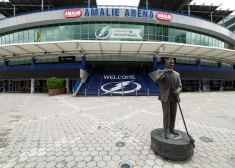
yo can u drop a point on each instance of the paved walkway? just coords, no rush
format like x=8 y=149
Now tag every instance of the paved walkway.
x=61 y=131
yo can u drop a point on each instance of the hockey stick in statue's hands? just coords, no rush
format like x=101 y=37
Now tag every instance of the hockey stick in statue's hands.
x=191 y=140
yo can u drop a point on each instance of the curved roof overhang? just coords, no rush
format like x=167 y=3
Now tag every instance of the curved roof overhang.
x=80 y=47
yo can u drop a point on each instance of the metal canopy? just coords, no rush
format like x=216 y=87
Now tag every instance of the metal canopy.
x=22 y=6
x=173 y=5
x=203 y=11
x=79 y=47
x=229 y=20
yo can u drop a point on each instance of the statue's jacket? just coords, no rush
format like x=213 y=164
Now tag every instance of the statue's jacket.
x=164 y=85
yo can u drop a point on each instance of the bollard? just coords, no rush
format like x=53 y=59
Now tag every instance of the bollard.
x=148 y=92
x=85 y=92
x=98 y=92
x=135 y=92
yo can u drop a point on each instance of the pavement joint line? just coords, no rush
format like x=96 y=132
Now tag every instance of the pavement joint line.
x=76 y=135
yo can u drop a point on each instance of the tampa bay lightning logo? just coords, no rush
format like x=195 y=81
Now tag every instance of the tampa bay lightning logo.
x=103 y=33
x=116 y=87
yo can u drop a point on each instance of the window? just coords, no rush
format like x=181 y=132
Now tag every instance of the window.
x=43 y=32
x=11 y=38
x=202 y=39
x=70 y=29
x=31 y=33
x=165 y=33
x=210 y=41
x=198 y=39
x=158 y=32
x=7 y=38
x=56 y=30
x=171 y=34
x=49 y=31
x=26 y=34
x=194 y=36
x=86 y=31
x=63 y=30
x=177 y=35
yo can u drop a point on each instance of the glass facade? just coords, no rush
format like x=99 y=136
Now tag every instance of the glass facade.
x=20 y=61
x=117 y=58
x=132 y=58
x=209 y=63
x=227 y=66
x=1 y=63
x=190 y=61
x=121 y=31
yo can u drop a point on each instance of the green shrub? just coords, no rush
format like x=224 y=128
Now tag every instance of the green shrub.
x=54 y=83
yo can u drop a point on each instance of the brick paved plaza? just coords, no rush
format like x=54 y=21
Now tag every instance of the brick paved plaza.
x=61 y=131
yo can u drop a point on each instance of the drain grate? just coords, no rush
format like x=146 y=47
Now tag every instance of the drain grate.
x=125 y=165
x=120 y=144
x=206 y=139
x=232 y=158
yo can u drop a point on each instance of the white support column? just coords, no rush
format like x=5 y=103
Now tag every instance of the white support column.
x=32 y=85
x=14 y=10
x=42 y=6
x=19 y=85
x=188 y=8
x=15 y=86
x=67 y=85
x=9 y=86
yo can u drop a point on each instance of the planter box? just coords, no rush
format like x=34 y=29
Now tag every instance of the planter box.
x=53 y=92
x=62 y=90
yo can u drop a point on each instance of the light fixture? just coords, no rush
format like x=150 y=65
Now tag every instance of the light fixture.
x=77 y=47
x=162 y=49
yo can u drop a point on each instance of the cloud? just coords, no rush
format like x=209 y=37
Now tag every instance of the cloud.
x=118 y=2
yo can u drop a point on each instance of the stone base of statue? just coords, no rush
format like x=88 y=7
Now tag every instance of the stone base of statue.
x=178 y=148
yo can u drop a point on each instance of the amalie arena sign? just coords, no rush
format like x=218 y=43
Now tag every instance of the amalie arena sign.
x=116 y=12
x=73 y=13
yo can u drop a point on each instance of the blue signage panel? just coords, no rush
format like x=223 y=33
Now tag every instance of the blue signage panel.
x=138 y=13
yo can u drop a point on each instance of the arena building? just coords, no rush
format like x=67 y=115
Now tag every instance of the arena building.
x=113 y=50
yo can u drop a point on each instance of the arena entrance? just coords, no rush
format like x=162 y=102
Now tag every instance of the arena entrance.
x=118 y=79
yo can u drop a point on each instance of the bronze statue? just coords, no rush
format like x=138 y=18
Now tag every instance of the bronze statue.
x=170 y=88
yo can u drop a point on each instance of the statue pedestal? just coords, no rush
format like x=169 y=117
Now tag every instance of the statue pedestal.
x=178 y=148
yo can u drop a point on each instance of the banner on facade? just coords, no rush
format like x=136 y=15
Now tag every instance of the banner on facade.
x=67 y=59
x=107 y=32
x=121 y=84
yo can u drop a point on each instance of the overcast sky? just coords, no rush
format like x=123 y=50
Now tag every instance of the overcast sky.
x=225 y=3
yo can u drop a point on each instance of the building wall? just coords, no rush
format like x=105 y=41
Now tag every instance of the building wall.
x=57 y=16
x=92 y=30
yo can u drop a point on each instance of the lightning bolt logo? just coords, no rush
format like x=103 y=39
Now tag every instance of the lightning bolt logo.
x=101 y=33
x=119 y=86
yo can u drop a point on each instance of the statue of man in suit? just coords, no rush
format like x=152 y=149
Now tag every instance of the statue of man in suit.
x=170 y=88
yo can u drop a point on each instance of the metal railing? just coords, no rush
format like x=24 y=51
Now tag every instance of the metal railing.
x=76 y=86
x=110 y=93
